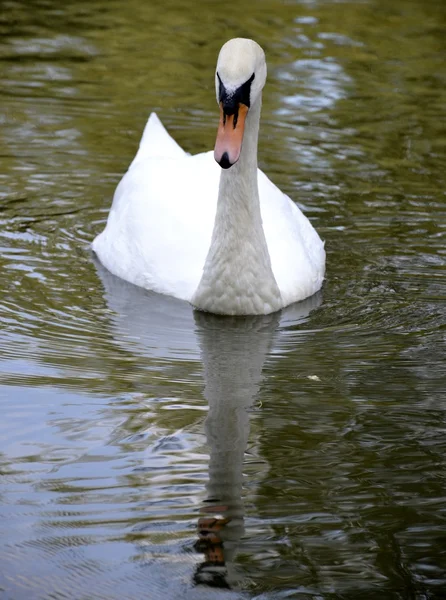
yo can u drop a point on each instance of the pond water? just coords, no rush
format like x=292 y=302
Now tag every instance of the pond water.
x=147 y=451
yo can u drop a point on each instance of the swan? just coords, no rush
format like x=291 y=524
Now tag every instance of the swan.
x=216 y=233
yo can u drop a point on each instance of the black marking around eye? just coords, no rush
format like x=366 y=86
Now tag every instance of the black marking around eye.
x=231 y=100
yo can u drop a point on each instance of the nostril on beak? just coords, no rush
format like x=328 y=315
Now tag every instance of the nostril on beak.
x=224 y=161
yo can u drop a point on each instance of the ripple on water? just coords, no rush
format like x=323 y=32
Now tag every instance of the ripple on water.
x=128 y=420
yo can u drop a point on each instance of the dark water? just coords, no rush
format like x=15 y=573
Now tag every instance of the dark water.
x=311 y=443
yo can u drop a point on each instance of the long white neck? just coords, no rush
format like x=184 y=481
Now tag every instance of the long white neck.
x=237 y=277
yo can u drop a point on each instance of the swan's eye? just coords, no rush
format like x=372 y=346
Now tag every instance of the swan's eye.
x=231 y=100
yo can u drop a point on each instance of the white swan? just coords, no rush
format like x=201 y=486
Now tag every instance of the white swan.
x=238 y=246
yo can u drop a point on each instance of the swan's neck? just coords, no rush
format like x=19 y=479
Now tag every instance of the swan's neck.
x=237 y=276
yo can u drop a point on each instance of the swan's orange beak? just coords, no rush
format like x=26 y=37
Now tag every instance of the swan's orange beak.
x=230 y=136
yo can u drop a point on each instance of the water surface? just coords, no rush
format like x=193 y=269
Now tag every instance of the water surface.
x=311 y=443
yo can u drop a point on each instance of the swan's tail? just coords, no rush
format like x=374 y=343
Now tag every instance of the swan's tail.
x=156 y=142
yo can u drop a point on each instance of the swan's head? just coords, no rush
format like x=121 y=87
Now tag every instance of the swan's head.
x=239 y=80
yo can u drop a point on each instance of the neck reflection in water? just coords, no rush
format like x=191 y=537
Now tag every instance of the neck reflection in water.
x=233 y=350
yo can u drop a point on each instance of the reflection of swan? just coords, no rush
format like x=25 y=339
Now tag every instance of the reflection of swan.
x=233 y=351
x=229 y=241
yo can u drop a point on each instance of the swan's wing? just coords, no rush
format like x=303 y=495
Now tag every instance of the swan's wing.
x=159 y=228
x=295 y=248
x=157 y=143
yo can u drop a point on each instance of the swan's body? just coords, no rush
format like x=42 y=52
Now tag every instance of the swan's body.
x=240 y=246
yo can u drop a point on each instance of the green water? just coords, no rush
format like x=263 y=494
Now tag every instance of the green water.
x=318 y=434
